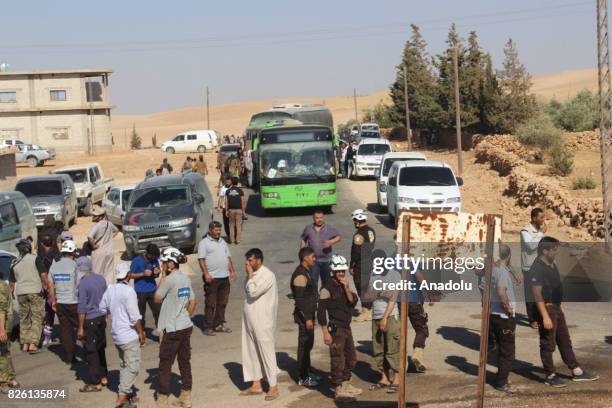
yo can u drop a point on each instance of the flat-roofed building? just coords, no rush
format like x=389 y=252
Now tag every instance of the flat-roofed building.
x=65 y=109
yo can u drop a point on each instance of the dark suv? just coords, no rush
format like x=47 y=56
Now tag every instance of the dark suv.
x=172 y=210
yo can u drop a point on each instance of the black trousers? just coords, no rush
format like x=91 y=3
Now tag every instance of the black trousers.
x=69 y=323
x=343 y=356
x=504 y=333
x=418 y=319
x=305 y=344
x=557 y=336
x=359 y=280
x=143 y=300
x=216 y=297
x=173 y=345
x=530 y=306
x=225 y=223
x=94 y=342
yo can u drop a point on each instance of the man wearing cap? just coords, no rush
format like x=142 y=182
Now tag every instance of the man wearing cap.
x=92 y=325
x=221 y=205
x=361 y=260
x=320 y=236
x=334 y=313
x=101 y=240
x=63 y=236
x=178 y=303
x=63 y=291
x=127 y=331
x=27 y=283
x=44 y=260
x=218 y=272
x=235 y=205
x=144 y=270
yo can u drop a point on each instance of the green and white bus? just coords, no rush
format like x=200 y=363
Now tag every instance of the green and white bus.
x=295 y=165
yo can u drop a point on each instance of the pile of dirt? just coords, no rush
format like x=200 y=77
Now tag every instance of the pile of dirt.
x=576 y=141
x=500 y=159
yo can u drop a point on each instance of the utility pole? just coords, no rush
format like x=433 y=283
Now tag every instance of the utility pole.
x=458 y=110
x=355 y=102
x=207 y=109
x=605 y=116
x=407 y=107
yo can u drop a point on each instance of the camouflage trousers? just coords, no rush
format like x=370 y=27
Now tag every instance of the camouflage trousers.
x=7 y=372
x=31 y=318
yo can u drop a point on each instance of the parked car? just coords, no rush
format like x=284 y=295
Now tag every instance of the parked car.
x=52 y=194
x=17 y=220
x=368 y=156
x=116 y=201
x=33 y=155
x=172 y=210
x=192 y=141
x=6 y=260
x=382 y=173
x=10 y=142
x=90 y=184
x=422 y=185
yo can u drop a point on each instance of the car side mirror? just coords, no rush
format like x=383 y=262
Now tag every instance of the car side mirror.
x=68 y=191
x=198 y=198
x=377 y=172
x=459 y=181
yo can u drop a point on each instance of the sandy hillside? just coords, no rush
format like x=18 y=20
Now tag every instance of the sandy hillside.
x=233 y=118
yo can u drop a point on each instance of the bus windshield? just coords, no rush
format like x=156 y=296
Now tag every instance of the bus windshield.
x=300 y=159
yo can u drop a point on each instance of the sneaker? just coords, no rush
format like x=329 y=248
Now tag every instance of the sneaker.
x=507 y=388
x=348 y=388
x=308 y=382
x=585 y=376
x=47 y=341
x=315 y=377
x=555 y=381
x=341 y=395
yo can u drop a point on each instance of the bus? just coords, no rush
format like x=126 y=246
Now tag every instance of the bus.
x=296 y=165
x=308 y=114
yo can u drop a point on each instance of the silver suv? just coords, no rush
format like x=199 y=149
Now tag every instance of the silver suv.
x=53 y=195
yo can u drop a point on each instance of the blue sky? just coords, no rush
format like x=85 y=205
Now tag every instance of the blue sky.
x=164 y=53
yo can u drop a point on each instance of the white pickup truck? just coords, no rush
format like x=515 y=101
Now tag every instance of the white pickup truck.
x=90 y=184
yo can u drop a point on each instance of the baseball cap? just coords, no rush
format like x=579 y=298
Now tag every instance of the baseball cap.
x=84 y=264
x=66 y=235
x=122 y=270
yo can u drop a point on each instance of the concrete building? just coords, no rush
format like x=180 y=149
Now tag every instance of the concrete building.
x=65 y=109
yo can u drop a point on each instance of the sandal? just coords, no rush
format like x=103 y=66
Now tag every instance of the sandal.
x=222 y=329
x=34 y=351
x=271 y=397
x=249 y=392
x=378 y=386
x=393 y=388
x=90 y=388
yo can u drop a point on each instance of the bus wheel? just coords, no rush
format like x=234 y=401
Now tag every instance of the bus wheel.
x=328 y=209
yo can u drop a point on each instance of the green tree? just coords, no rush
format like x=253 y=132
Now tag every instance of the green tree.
x=490 y=94
x=135 y=141
x=425 y=110
x=580 y=113
x=515 y=104
x=381 y=114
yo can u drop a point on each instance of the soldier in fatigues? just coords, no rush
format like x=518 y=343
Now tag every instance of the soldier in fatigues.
x=337 y=301
x=7 y=372
x=361 y=260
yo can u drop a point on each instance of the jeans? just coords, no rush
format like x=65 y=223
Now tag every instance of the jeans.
x=341 y=167
x=129 y=357
x=216 y=296
x=305 y=344
x=349 y=168
x=143 y=299
x=173 y=345
x=321 y=269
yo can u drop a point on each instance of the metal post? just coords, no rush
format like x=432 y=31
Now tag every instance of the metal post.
x=407 y=107
x=401 y=398
x=355 y=102
x=207 y=109
x=92 y=140
x=458 y=111
x=605 y=116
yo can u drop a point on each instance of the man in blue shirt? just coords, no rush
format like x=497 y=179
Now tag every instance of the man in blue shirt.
x=144 y=269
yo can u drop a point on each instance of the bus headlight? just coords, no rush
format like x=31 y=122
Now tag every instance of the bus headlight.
x=270 y=195
x=327 y=192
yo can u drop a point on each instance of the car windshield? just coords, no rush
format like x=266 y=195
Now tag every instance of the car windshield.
x=40 y=188
x=300 y=159
x=125 y=198
x=426 y=176
x=369 y=127
x=227 y=150
x=370 y=134
x=389 y=162
x=157 y=197
x=77 y=176
x=373 y=149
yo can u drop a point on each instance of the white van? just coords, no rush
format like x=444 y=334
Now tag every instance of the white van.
x=368 y=157
x=422 y=185
x=382 y=173
x=192 y=141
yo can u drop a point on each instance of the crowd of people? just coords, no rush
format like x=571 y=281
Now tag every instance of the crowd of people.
x=74 y=284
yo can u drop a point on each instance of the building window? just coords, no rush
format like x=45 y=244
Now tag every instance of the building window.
x=9 y=133
x=60 y=133
x=58 y=95
x=8 y=96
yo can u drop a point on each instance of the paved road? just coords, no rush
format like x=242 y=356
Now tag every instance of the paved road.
x=451 y=354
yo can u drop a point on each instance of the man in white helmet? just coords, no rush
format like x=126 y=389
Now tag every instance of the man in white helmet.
x=175 y=293
x=334 y=312
x=361 y=261
x=63 y=284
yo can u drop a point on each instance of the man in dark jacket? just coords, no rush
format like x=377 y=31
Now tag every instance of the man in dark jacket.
x=305 y=295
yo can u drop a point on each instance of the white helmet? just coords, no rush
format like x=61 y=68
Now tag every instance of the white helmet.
x=282 y=163
x=338 y=263
x=170 y=254
x=359 y=215
x=68 y=246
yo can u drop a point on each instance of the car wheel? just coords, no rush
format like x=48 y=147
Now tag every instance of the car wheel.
x=41 y=163
x=170 y=150
x=32 y=161
x=201 y=149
